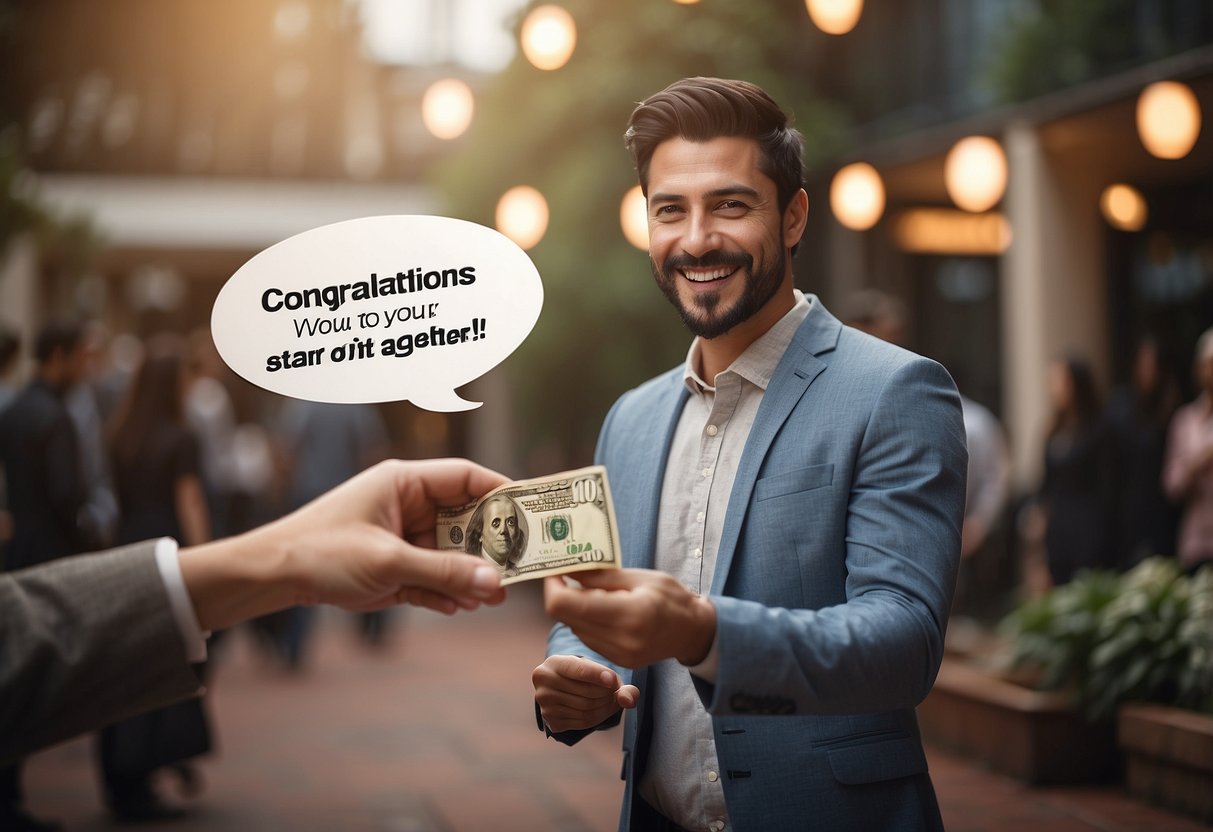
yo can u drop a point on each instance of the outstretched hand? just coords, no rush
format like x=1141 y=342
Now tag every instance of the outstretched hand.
x=365 y=545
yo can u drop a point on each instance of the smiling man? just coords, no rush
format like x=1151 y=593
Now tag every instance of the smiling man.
x=789 y=503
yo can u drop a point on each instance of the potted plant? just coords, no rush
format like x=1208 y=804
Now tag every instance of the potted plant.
x=1014 y=705
x=1136 y=650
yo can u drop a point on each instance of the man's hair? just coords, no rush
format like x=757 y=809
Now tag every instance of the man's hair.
x=56 y=336
x=701 y=109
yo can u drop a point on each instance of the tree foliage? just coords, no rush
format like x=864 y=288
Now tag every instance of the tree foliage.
x=1054 y=44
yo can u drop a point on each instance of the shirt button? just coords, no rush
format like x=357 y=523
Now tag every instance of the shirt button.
x=699 y=517
x=699 y=553
x=707 y=472
x=713 y=777
x=713 y=430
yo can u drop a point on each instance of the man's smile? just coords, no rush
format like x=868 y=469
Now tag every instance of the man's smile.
x=707 y=275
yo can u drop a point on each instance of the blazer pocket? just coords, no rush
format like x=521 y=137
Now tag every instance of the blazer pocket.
x=793 y=482
x=873 y=762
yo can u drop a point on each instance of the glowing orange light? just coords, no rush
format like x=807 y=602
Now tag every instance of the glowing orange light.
x=1168 y=119
x=975 y=173
x=447 y=107
x=1123 y=207
x=522 y=215
x=834 y=17
x=948 y=231
x=857 y=196
x=634 y=218
x=548 y=37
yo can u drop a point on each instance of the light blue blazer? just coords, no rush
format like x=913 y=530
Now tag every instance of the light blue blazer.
x=832 y=585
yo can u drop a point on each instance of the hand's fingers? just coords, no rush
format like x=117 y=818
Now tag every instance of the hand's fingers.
x=561 y=689
x=578 y=669
x=627 y=696
x=581 y=608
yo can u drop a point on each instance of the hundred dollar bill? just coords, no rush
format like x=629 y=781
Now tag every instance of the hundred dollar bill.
x=532 y=528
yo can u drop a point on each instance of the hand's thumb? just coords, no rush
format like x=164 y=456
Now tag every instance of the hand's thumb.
x=451 y=573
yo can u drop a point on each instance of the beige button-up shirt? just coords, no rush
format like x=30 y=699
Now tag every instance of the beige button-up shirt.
x=682 y=778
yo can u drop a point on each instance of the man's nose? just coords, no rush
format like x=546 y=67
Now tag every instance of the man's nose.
x=702 y=234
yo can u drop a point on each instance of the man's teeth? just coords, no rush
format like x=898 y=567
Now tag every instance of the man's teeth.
x=706 y=276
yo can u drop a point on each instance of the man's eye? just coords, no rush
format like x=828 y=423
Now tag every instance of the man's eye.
x=732 y=205
x=665 y=210
x=512 y=522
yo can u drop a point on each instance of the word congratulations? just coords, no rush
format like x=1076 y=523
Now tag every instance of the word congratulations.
x=335 y=296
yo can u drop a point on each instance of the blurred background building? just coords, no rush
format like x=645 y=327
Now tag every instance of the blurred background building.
x=150 y=148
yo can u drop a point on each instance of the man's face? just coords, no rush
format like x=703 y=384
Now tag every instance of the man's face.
x=499 y=529
x=717 y=239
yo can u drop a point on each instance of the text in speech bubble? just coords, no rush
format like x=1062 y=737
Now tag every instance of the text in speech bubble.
x=378 y=309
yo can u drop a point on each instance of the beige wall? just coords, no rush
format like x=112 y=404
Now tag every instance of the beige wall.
x=1053 y=285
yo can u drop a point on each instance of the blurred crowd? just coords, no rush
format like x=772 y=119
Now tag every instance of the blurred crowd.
x=1126 y=475
x=110 y=441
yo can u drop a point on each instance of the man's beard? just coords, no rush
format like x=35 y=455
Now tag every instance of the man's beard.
x=701 y=317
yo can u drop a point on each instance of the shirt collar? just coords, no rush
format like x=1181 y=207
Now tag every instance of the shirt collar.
x=757 y=364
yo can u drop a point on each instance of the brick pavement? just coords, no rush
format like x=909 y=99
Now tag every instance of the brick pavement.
x=434 y=733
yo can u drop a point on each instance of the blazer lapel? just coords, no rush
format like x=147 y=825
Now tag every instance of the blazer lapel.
x=792 y=377
x=648 y=454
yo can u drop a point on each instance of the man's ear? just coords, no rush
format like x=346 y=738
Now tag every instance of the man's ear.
x=795 y=218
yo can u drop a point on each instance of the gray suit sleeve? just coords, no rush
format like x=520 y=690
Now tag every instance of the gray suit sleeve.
x=85 y=641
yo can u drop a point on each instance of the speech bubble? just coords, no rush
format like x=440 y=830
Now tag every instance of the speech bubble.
x=377 y=309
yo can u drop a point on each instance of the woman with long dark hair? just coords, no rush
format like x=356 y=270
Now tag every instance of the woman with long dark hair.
x=156 y=473
x=1076 y=494
x=1138 y=416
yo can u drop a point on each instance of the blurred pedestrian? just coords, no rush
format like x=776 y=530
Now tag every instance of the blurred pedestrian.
x=877 y=313
x=45 y=489
x=323 y=444
x=10 y=351
x=1188 y=468
x=980 y=581
x=1075 y=498
x=1138 y=416
x=982 y=585
x=156 y=470
x=212 y=416
x=100 y=510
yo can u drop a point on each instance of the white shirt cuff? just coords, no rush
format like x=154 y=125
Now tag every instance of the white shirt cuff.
x=708 y=668
x=179 y=601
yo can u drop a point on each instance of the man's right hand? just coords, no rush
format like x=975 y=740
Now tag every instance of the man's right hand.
x=577 y=694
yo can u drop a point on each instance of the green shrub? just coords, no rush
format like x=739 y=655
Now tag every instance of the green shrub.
x=1144 y=636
